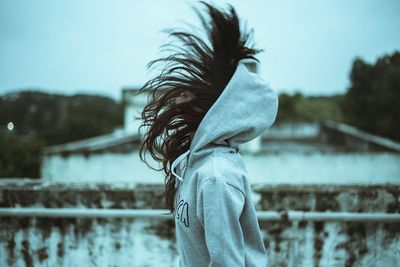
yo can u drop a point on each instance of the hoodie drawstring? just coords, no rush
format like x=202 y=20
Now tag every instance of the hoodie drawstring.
x=175 y=163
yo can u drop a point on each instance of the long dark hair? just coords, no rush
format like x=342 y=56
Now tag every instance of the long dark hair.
x=202 y=67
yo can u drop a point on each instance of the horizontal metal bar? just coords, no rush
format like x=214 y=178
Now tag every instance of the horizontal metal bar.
x=85 y=213
x=328 y=216
x=164 y=214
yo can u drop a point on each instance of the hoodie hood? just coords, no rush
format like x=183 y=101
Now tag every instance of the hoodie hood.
x=246 y=108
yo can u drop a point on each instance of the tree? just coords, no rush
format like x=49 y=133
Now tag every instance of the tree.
x=42 y=119
x=300 y=108
x=371 y=102
x=20 y=156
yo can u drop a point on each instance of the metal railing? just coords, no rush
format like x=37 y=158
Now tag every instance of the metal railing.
x=165 y=214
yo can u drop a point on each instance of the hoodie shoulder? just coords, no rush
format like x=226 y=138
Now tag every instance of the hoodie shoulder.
x=226 y=167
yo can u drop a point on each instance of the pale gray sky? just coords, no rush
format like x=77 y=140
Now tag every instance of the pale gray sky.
x=102 y=46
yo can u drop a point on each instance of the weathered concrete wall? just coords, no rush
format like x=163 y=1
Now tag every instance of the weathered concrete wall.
x=127 y=242
x=86 y=242
x=331 y=243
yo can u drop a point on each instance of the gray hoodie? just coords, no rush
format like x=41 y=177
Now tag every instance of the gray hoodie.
x=215 y=218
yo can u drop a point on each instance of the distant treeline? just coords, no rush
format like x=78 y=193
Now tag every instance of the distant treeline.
x=41 y=119
x=297 y=107
x=371 y=103
x=56 y=119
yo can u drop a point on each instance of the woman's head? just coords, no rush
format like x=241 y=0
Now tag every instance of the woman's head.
x=193 y=75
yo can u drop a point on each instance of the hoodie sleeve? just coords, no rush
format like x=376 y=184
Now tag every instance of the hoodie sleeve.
x=219 y=208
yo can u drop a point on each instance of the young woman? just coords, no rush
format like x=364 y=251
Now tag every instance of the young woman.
x=202 y=106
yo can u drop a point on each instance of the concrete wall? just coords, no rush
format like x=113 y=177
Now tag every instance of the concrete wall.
x=300 y=165
x=331 y=243
x=285 y=153
x=127 y=242
x=99 y=167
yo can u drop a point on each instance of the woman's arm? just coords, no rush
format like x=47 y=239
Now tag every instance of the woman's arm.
x=219 y=208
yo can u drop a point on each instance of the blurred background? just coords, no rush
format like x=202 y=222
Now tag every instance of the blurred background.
x=69 y=73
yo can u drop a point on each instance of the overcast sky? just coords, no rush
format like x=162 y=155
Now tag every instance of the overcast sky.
x=97 y=46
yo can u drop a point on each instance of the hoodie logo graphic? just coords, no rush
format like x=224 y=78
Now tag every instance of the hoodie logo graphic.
x=181 y=211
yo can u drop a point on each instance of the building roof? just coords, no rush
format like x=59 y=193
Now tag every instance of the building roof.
x=118 y=140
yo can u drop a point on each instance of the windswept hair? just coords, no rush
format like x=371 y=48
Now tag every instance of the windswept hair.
x=203 y=67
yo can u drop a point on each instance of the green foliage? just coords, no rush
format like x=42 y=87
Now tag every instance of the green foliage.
x=371 y=102
x=19 y=156
x=310 y=109
x=57 y=119
x=42 y=119
x=287 y=107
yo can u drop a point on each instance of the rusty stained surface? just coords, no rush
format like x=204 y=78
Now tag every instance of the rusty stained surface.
x=129 y=242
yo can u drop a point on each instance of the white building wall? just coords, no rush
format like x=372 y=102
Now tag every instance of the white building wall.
x=102 y=167
x=293 y=130
x=272 y=168
x=134 y=105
